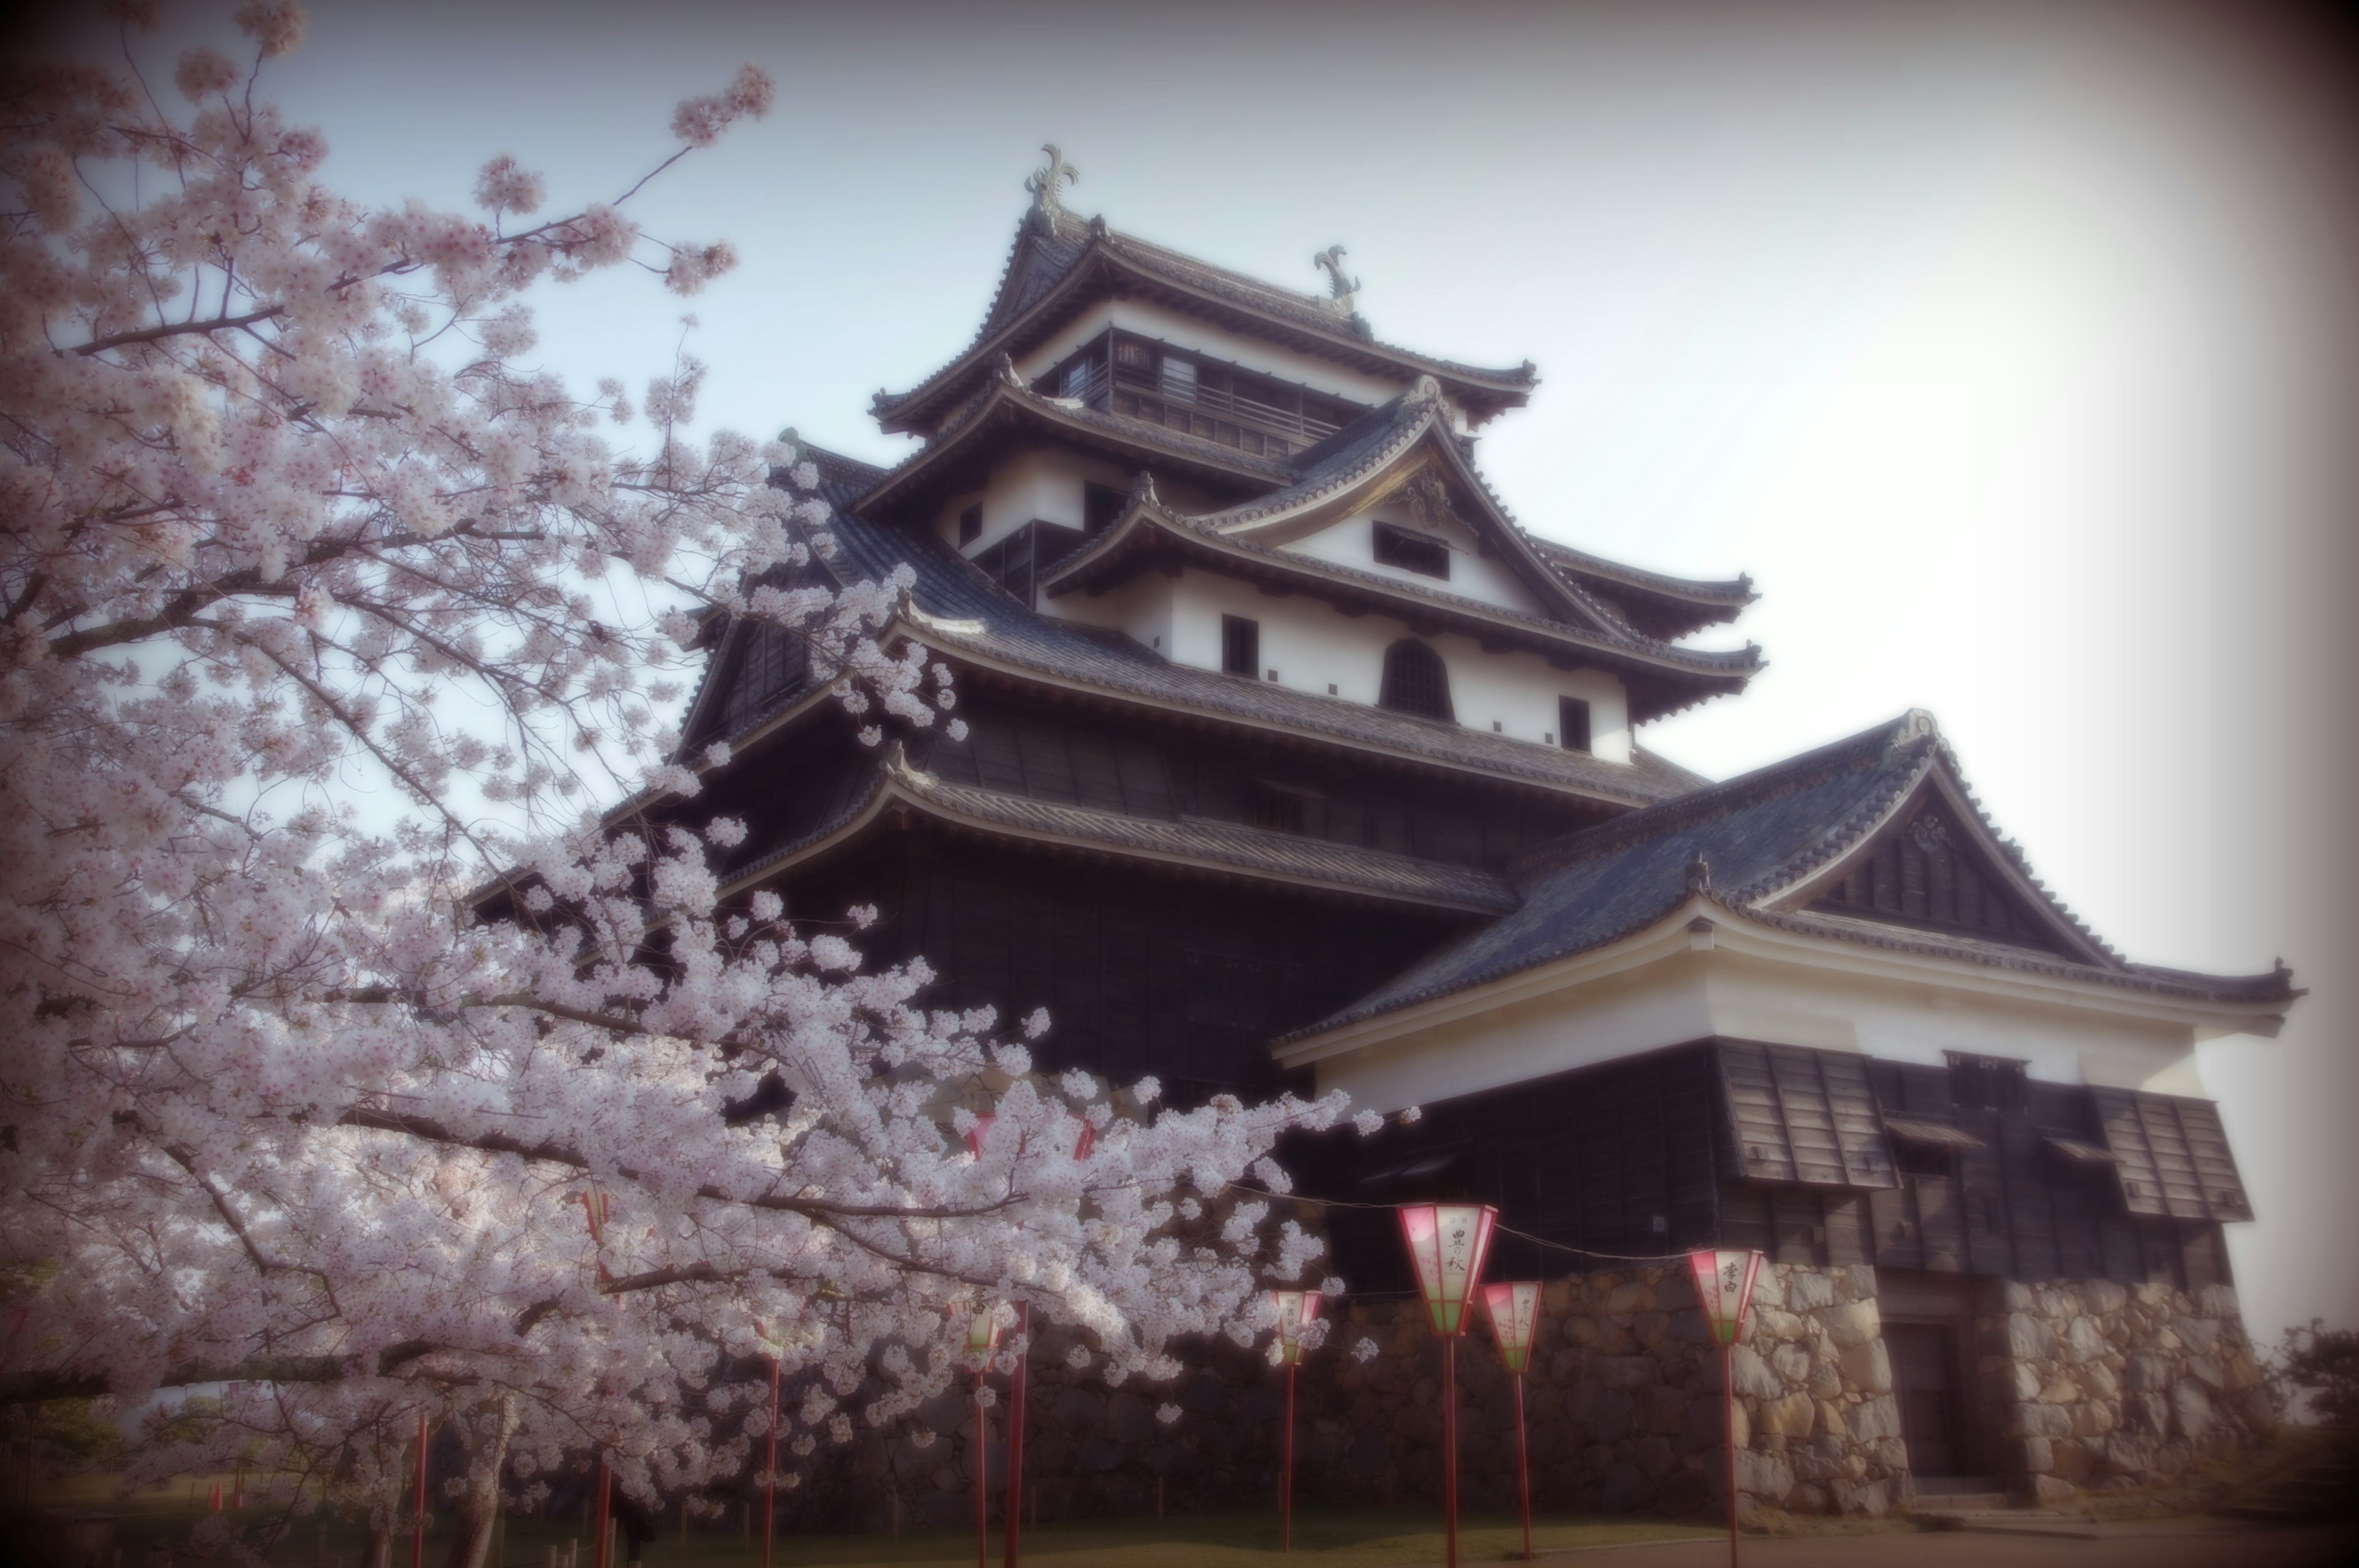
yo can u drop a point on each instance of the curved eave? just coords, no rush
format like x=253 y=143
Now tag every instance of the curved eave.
x=1674 y=606
x=1103 y=269
x=1004 y=404
x=1223 y=851
x=1700 y=923
x=1147 y=537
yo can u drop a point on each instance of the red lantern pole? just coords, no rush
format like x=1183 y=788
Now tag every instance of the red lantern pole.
x=1285 y=1471
x=982 y=1479
x=1296 y=1310
x=602 y=1552
x=417 y=1521
x=1011 y=1554
x=1728 y=1425
x=982 y=1339
x=1513 y=1309
x=1446 y=1244
x=1523 y=1470
x=1450 y=1452
x=1723 y=1287
x=769 y=1473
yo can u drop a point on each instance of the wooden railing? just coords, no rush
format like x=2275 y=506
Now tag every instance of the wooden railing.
x=1215 y=407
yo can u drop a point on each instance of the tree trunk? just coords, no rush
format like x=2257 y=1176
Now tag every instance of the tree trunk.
x=484 y=1431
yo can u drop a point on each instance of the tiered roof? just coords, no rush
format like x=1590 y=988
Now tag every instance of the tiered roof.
x=956 y=610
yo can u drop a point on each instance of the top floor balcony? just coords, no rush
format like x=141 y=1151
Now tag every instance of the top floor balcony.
x=1213 y=400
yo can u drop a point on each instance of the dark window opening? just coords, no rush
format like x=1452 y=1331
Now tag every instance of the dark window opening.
x=1101 y=505
x=1572 y=723
x=1986 y=1082
x=1275 y=808
x=1411 y=552
x=1914 y=1158
x=1416 y=681
x=1240 y=645
x=970 y=524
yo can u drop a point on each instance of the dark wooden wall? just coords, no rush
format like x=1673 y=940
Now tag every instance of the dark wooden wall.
x=1142 y=970
x=1640 y=1156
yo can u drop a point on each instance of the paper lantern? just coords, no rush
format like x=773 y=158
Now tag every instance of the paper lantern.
x=1514 y=1310
x=1297 y=1311
x=1724 y=1283
x=1446 y=1242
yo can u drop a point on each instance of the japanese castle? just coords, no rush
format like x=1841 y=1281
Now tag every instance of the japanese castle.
x=1293 y=758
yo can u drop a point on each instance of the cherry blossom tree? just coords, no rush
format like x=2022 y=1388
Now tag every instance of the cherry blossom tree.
x=517 y=1125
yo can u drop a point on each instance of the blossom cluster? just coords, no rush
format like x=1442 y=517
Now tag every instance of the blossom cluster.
x=523 y=1128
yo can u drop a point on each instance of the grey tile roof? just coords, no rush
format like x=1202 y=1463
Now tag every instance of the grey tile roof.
x=1758 y=836
x=1196 y=841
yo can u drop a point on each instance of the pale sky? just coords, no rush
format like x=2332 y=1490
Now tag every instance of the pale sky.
x=2010 y=351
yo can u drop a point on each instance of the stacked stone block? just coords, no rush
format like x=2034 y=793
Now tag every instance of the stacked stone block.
x=2096 y=1385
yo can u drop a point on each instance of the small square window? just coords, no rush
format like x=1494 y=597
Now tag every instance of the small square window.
x=1240 y=645
x=970 y=524
x=1273 y=674
x=1572 y=723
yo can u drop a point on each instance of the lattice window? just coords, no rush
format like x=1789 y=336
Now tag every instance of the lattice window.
x=1416 y=681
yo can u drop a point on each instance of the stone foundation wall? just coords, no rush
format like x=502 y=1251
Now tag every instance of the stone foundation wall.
x=2082 y=1384
x=2091 y=1384
x=1625 y=1401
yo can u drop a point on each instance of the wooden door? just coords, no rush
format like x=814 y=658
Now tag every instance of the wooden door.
x=1925 y=1377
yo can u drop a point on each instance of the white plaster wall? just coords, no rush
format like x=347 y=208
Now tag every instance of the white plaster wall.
x=1690 y=995
x=1149 y=320
x=1045 y=483
x=1141 y=609
x=1313 y=647
x=1473 y=575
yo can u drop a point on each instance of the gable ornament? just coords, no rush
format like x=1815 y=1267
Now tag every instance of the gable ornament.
x=1044 y=185
x=1428 y=499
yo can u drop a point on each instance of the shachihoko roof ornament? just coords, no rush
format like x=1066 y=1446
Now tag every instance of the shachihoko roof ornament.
x=1043 y=183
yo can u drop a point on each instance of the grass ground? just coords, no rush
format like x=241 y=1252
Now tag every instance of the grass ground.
x=1323 y=1538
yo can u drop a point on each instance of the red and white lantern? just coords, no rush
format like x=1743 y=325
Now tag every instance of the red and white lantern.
x=1724 y=1283
x=1297 y=1311
x=1513 y=1309
x=1447 y=1243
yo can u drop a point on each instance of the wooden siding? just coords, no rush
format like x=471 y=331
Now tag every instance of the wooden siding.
x=1804 y=1116
x=2173 y=1156
x=1590 y=1158
x=1923 y=871
x=1142 y=971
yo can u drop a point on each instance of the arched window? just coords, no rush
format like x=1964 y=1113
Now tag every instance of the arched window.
x=1416 y=681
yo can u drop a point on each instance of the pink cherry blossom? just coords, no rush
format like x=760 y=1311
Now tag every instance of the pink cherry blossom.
x=390 y=1115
